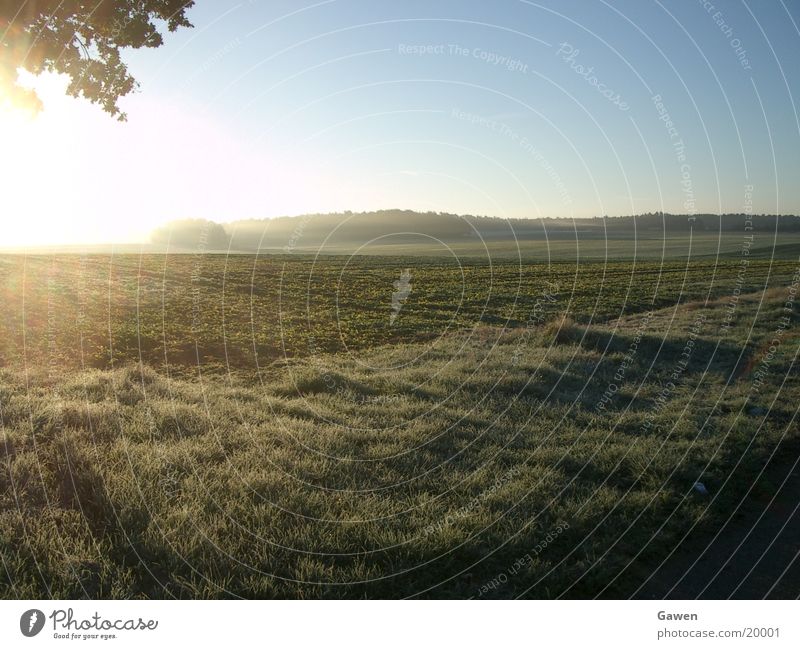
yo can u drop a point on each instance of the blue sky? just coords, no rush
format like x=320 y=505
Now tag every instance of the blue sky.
x=507 y=108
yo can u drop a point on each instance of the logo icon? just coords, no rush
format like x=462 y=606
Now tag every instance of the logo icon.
x=402 y=289
x=31 y=622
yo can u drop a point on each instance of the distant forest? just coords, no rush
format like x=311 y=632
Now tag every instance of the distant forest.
x=406 y=226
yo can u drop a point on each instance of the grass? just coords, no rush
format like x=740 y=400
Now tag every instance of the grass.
x=485 y=459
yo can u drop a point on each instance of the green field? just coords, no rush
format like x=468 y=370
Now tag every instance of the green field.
x=244 y=312
x=276 y=426
x=565 y=246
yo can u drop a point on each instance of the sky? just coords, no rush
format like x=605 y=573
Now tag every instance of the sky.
x=509 y=108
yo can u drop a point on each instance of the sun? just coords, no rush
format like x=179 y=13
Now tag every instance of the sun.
x=37 y=169
x=27 y=203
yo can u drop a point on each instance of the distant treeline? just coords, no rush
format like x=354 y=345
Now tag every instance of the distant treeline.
x=406 y=226
x=702 y=222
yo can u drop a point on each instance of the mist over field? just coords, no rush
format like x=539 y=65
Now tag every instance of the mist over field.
x=436 y=233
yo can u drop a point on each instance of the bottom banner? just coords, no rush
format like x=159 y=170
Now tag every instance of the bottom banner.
x=398 y=624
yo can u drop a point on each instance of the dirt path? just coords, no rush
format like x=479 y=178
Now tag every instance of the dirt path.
x=756 y=555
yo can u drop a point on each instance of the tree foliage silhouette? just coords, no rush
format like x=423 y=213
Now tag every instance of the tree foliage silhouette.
x=83 y=39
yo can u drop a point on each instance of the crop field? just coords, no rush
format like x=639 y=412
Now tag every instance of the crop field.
x=245 y=312
x=382 y=426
